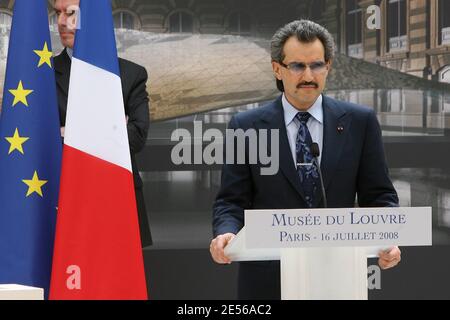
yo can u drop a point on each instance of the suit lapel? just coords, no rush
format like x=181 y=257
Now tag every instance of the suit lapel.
x=333 y=139
x=273 y=118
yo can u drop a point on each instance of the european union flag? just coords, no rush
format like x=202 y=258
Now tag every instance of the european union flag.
x=30 y=151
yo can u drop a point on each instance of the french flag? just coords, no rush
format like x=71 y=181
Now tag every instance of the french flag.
x=97 y=252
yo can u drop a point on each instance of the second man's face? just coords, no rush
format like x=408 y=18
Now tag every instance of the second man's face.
x=66 y=11
x=303 y=71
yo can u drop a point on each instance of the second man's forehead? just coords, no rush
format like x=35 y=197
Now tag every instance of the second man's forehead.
x=63 y=4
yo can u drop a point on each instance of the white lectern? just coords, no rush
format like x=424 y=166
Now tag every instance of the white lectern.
x=332 y=264
x=312 y=273
x=324 y=273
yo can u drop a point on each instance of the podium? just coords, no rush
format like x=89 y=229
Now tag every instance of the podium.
x=332 y=264
x=324 y=273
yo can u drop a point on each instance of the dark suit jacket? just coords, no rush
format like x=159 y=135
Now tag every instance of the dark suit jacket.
x=353 y=164
x=134 y=79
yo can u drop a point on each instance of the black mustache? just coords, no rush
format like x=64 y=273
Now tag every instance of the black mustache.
x=308 y=84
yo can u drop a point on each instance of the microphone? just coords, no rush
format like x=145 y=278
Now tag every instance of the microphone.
x=315 y=150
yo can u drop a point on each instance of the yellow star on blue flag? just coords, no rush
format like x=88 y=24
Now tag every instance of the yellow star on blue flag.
x=35 y=185
x=16 y=142
x=44 y=55
x=20 y=94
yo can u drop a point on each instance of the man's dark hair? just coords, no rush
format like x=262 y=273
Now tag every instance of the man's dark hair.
x=306 y=31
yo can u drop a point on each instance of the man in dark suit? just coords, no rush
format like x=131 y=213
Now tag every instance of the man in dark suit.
x=352 y=159
x=135 y=97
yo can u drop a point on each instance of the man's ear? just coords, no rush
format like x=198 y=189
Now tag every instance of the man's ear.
x=276 y=70
x=330 y=65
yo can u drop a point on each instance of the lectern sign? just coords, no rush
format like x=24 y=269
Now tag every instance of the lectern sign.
x=338 y=227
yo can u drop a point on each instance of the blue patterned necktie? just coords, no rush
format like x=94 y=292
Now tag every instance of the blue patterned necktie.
x=309 y=177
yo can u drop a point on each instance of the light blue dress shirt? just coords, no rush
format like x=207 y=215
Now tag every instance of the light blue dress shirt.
x=315 y=124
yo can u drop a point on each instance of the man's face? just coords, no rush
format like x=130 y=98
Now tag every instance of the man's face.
x=66 y=11
x=303 y=72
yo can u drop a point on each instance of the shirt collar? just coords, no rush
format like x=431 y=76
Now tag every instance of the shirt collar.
x=290 y=111
x=69 y=52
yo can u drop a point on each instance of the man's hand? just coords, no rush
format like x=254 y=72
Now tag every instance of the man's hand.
x=390 y=258
x=217 y=246
x=63 y=131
